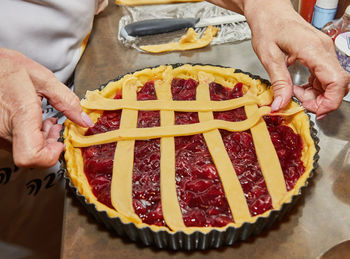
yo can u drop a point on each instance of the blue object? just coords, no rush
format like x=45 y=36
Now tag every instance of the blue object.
x=322 y=16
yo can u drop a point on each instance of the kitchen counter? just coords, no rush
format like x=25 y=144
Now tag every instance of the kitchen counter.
x=320 y=219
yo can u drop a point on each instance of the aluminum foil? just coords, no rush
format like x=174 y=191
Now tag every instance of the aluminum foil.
x=197 y=240
x=227 y=33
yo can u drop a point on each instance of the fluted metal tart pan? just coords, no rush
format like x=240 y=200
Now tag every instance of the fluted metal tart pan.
x=196 y=240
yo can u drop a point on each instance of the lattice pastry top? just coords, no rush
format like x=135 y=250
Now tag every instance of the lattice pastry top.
x=188 y=148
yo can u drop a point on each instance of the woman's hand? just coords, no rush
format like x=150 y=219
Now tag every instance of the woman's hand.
x=23 y=83
x=280 y=36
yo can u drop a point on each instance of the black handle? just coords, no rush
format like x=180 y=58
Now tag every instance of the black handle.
x=156 y=26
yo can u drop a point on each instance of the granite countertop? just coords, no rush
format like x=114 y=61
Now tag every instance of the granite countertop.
x=321 y=217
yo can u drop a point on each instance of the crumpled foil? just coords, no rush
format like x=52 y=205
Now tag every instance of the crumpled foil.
x=227 y=33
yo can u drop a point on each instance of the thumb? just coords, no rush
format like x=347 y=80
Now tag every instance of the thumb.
x=282 y=85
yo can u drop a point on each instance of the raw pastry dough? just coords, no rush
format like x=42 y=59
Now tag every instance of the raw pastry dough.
x=256 y=94
x=189 y=41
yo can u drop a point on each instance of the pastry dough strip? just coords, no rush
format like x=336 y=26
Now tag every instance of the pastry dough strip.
x=170 y=205
x=229 y=180
x=121 y=186
x=95 y=101
x=268 y=159
x=166 y=131
x=298 y=123
x=189 y=41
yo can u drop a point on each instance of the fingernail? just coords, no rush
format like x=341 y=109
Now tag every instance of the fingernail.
x=275 y=106
x=321 y=117
x=87 y=120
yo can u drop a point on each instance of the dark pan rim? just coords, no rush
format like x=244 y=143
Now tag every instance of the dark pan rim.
x=197 y=240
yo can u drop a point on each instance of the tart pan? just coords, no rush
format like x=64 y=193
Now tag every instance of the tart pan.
x=196 y=240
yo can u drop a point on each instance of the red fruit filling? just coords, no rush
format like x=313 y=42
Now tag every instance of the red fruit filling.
x=289 y=147
x=98 y=160
x=146 y=174
x=201 y=195
x=241 y=150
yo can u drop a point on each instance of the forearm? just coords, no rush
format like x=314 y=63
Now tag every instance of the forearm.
x=257 y=11
x=233 y=5
x=251 y=7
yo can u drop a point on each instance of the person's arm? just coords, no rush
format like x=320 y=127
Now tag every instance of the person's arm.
x=23 y=83
x=280 y=36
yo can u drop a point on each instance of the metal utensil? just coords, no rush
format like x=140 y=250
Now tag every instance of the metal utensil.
x=157 y=26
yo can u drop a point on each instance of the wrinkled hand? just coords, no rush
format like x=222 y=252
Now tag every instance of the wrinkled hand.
x=280 y=36
x=23 y=83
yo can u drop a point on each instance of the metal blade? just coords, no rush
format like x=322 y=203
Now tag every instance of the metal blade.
x=236 y=18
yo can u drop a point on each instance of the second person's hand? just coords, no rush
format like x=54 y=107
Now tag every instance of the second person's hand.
x=280 y=37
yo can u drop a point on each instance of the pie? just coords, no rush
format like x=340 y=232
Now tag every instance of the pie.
x=190 y=148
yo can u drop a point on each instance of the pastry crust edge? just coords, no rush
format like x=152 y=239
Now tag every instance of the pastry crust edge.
x=299 y=123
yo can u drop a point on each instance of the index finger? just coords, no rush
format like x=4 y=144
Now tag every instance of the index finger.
x=64 y=100
x=59 y=95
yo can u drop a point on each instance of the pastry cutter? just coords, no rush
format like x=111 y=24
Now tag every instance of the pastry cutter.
x=164 y=25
